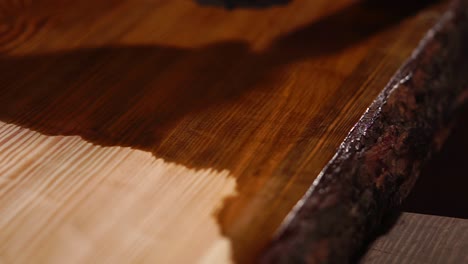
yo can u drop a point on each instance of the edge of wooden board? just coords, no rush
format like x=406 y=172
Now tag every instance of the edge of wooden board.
x=378 y=163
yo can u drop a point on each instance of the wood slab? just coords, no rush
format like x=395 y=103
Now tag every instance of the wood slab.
x=136 y=131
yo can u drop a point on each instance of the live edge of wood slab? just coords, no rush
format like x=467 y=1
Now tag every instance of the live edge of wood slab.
x=381 y=158
x=136 y=131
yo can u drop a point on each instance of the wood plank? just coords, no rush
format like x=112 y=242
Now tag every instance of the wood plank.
x=168 y=132
x=418 y=238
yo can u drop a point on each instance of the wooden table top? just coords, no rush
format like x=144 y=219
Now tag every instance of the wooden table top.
x=169 y=132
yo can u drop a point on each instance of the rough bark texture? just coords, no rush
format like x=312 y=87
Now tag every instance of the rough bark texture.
x=379 y=161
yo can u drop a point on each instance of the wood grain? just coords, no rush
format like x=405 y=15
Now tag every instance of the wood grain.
x=418 y=238
x=165 y=131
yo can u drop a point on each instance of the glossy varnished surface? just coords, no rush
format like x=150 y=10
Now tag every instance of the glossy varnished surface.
x=162 y=131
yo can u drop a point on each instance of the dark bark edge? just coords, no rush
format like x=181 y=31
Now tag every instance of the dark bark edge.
x=380 y=159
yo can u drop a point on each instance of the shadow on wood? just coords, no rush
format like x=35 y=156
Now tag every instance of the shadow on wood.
x=242 y=3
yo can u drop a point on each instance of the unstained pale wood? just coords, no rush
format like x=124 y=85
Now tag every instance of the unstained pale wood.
x=168 y=132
